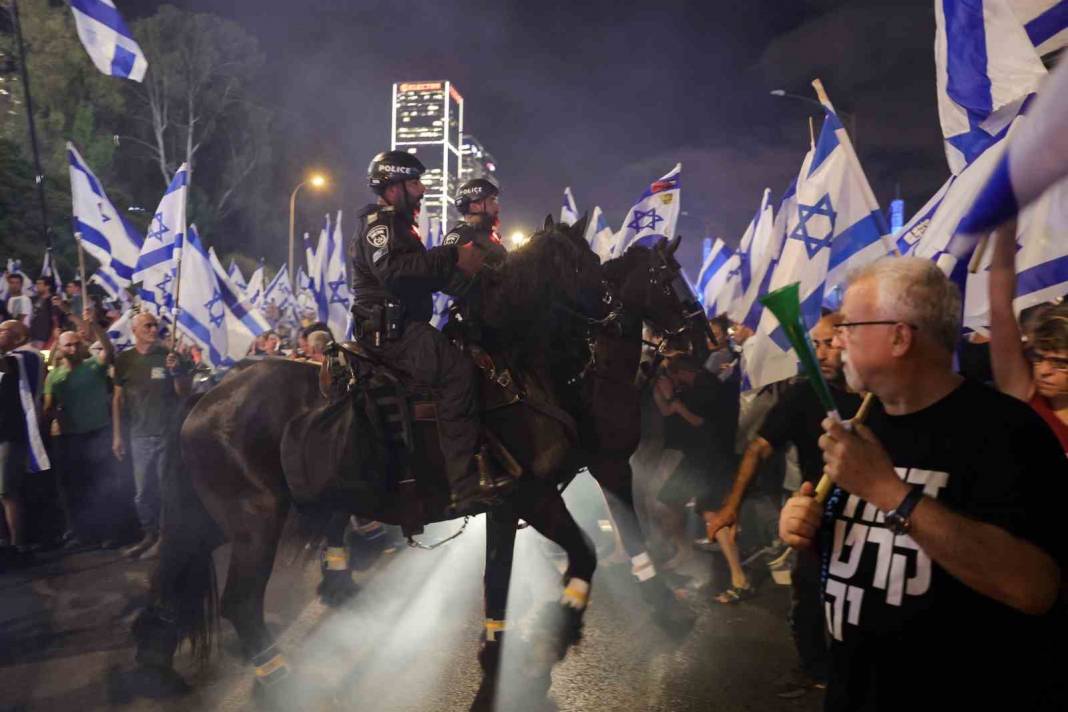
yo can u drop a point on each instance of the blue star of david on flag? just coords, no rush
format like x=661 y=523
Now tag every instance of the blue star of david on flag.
x=637 y=223
x=160 y=231
x=103 y=215
x=216 y=312
x=165 y=283
x=335 y=291
x=814 y=243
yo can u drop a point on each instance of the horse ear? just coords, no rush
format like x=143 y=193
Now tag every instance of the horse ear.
x=549 y=222
x=579 y=228
x=674 y=244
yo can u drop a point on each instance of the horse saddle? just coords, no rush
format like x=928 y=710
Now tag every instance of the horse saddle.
x=374 y=435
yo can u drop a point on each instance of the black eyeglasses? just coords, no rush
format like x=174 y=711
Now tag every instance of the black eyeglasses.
x=847 y=325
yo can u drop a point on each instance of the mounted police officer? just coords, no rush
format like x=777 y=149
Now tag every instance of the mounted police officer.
x=394 y=279
x=477 y=202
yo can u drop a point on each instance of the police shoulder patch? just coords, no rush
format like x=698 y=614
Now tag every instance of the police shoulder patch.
x=378 y=236
x=451 y=239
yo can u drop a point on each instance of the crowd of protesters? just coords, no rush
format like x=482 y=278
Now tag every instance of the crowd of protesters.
x=879 y=609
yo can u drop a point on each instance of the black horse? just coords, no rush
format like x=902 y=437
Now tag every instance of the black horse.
x=643 y=286
x=233 y=487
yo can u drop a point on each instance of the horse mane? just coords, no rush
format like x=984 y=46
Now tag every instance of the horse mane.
x=521 y=314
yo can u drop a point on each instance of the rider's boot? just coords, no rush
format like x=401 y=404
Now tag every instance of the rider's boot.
x=481 y=487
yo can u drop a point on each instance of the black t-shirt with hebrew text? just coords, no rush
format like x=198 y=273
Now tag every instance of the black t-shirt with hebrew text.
x=905 y=633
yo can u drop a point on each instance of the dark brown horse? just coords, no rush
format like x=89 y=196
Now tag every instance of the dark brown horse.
x=644 y=286
x=233 y=486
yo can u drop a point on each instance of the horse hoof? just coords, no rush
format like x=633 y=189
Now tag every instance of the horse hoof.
x=671 y=615
x=154 y=683
x=336 y=588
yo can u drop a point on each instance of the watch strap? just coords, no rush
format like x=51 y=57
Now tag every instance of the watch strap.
x=904 y=510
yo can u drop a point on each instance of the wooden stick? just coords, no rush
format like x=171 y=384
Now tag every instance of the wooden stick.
x=824 y=487
x=81 y=271
x=977 y=257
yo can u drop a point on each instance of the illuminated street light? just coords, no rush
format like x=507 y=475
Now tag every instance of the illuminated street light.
x=318 y=181
x=519 y=238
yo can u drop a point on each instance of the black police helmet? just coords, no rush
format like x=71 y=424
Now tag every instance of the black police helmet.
x=393 y=167
x=473 y=191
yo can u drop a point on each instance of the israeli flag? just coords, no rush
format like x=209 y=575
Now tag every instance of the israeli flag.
x=107 y=280
x=234 y=273
x=914 y=230
x=713 y=275
x=316 y=255
x=121 y=331
x=654 y=216
x=157 y=264
x=201 y=313
x=104 y=232
x=759 y=251
x=243 y=321
x=599 y=236
x=15 y=267
x=986 y=66
x=280 y=293
x=1036 y=158
x=50 y=271
x=306 y=306
x=254 y=289
x=108 y=40
x=569 y=214
x=1045 y=21
x=336 y=281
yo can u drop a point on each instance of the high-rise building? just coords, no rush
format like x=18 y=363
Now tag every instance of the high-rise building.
x=478 y=162
x=428 y=121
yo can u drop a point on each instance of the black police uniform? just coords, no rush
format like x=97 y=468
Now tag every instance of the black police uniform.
x=390 y=262
x=468 y=290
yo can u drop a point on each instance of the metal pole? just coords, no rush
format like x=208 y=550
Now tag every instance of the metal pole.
x=45 y=229
x=81 y=270
x=292 y=222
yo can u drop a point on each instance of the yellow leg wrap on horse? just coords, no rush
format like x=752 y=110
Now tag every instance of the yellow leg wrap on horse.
x=576 y=594
x=336 y=558
x=493 y=627
x=278 y=662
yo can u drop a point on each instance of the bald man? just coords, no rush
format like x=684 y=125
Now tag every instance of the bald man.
x=76 y=394
x=150 y=382
x=19 y=366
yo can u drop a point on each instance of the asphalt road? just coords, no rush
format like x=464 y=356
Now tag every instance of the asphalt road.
x=407 y=641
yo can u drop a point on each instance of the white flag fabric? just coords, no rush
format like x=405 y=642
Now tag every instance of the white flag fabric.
x=1045 y=21
x=50 y=271
x=599 y=236
x=1036 y=158
x=255 y=287
x=654 y=216
x=569 y=214
x=107 y=280
x=243 y=321
x=755 y=253
x=105 y=234
x=713 y=275
x=986 y=66
x=201 y=313
x=335 y=281
x=121 y=332
x=108 y=40
x=280 y=294
x=236 y=278
x=157 y=264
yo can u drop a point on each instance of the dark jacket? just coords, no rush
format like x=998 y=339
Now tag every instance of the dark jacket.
x=391 y=262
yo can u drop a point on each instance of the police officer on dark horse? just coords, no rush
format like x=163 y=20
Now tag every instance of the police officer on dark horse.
x=395 y=275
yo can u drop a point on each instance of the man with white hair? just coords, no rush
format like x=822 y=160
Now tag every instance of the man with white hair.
x=941 y=542
x=317 y=343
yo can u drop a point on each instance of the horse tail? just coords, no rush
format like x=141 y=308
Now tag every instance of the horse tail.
x=185 y=587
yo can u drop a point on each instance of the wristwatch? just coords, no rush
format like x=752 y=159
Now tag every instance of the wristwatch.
x=898 y=520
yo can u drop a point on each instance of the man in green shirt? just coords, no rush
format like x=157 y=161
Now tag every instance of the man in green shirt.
x=150 y=383
x=76 y=395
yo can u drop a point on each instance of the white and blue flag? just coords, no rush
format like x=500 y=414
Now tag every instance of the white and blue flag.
x=713 y=276
x=15 y=267
x=654 y=216
x=757 y=252
x=986 y=67
x=104 y=232
x=107 y=280
x=50 y=271
x=280 y=294
x=243 y=321
x=236 y=278
x=569 y=214
x=157 y=264
x=108 y=39
x=599 y=236
x=121 y=331
x=255 y=287
x=201 y=312
x=336 y=281
x=1045 y=21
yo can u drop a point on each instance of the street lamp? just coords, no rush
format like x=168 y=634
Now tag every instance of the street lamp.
x=809 y=100
x=316 y=180
x=519 y=238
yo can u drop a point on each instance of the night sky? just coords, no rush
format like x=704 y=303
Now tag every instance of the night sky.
x=602 y=98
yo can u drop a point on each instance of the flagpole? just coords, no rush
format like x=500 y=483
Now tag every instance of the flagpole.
x=24 y=71
x=888 y=243
x=81 y=269
x=176 y=310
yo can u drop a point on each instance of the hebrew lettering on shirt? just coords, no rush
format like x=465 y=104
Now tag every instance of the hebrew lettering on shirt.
x=900 y=567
